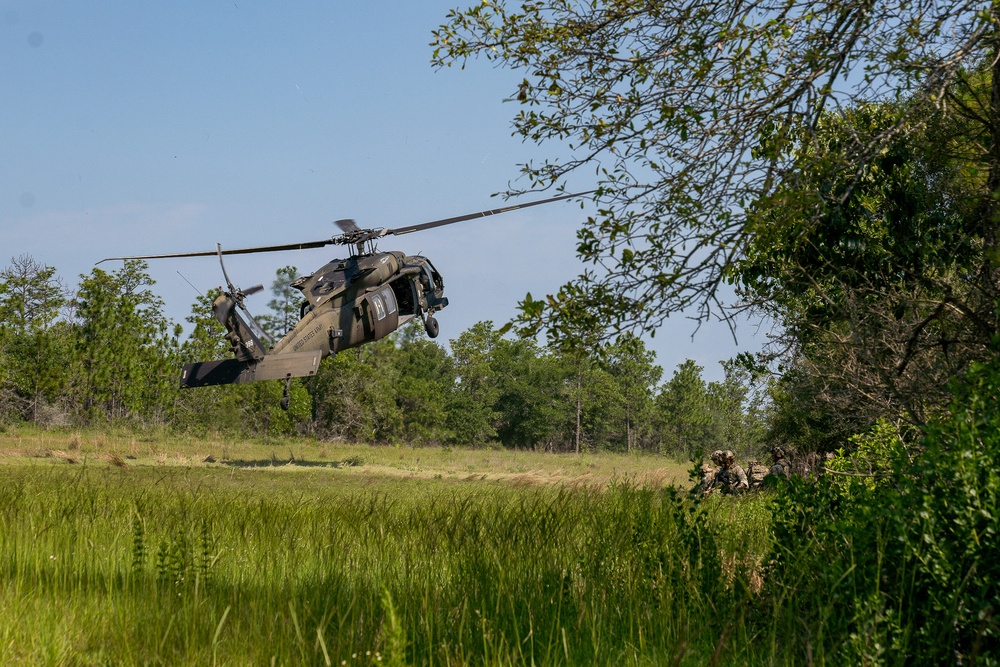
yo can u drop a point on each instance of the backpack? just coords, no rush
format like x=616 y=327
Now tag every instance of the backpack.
x=756 y=472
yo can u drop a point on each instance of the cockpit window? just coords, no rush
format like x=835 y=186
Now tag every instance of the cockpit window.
x=429 y=278
x=390 y=300
x=433 y=274
x=379 y=306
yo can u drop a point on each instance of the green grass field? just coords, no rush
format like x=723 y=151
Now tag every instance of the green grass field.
x=120 y=549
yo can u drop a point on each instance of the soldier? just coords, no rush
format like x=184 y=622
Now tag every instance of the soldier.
x=731 y=478
x=707 y=480
x=780 y=465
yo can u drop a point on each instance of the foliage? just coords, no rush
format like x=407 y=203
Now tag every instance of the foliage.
x=683 y=407
x=424 y=388
x=30 y=295
x=684 y=110
x=879 y=278
x=218 y=409
x=634 y=375
x=114 y=357
x=612 y=390
x=869 y=460
x=353 y=395
x=799 y=415
x=694 y=417
x=739 y=408
x=284 y=306
x=34 y=348
x=952 y=525
x=907 y=562
x=123 y=350
x=472 y=415
x=532 y=397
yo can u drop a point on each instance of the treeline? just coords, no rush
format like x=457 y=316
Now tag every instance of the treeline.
x=104 y=352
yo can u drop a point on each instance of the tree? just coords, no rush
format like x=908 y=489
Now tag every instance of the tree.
x=686 y=108
x=881 y=279
x=30 y=295
x=354 y=394
x=636 y=375
x=424 y=387
x=252 y=408
x=472 y=414
x=686 y=423
x=217 y=408
x=532 y=388
x=739 y=407
x=285 y=304
x=33 y=345
x=124 y=352
x=602 y=412
x=579 y=346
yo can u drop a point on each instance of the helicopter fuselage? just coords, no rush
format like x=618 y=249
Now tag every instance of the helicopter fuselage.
x=349 y=302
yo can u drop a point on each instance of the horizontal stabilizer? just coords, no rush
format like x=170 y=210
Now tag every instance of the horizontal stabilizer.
x=233 y=371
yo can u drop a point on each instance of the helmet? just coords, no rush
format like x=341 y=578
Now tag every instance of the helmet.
x=716 y=456
x=728 y=456
x=778 y=452
x=705 y=469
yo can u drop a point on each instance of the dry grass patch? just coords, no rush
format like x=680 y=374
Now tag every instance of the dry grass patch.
x=125 y=449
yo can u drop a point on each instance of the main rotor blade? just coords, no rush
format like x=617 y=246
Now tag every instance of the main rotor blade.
x=235 y=251
x=347 y=226
x=352 y=232
x=481 y=214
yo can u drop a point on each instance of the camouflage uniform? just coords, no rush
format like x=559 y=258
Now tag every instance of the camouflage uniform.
x=707 y=480
x=731 y=478
x=780 y=465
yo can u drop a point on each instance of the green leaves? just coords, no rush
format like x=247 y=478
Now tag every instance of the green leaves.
x=905 y=554
x=871 y=271
x=120 y=346
x=691 y=118
x=284 y=305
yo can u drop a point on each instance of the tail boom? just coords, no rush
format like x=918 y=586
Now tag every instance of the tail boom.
x=234 y=371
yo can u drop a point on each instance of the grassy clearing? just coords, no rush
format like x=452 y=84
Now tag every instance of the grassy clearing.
x=158 y=449
x=407 y=557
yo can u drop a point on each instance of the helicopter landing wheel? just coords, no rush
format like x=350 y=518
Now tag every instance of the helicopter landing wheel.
x=431 y=326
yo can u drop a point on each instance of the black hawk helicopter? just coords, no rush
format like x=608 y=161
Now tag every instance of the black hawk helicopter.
x=348 y=302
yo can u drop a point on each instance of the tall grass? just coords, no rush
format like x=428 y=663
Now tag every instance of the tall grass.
x=202 y=566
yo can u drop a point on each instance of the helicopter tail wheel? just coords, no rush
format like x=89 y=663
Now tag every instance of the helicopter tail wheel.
x=431 y=326
x=286 y=398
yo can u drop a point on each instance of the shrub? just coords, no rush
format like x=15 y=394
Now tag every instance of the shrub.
x=905 y=566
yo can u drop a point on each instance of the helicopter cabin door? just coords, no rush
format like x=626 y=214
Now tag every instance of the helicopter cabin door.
x=382 y=311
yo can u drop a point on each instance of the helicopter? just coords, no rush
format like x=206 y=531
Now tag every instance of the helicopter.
x=347 y=303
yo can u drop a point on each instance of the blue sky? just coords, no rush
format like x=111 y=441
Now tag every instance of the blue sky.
x=139 y=128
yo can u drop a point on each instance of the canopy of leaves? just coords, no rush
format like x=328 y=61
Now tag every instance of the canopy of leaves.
x=683 y=110
x=881 y=278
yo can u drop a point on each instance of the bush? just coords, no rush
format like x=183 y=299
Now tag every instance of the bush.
x=950 y=529
x=903 y=567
